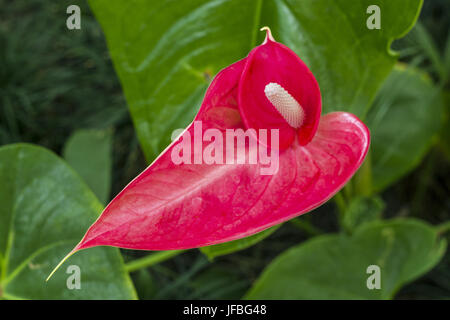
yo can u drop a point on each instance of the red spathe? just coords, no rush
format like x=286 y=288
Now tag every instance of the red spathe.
x=180 y=206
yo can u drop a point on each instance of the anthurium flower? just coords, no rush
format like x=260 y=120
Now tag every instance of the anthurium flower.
x=194 y=195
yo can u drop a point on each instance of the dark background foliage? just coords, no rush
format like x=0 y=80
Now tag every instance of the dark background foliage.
x=54 y=81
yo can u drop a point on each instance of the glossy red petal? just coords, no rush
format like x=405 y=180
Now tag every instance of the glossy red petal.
x=171 y=206
x=273 y=62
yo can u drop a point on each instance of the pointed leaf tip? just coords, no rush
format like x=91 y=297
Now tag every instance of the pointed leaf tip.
x=61 y=263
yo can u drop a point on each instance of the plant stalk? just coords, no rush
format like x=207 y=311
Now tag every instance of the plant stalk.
x=306 y=226
x=363 y=178
x=151 y=260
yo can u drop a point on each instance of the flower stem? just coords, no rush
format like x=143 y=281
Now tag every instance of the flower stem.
x=363 y=178
x=341 y=203
x=306 y=226
x=151 y=260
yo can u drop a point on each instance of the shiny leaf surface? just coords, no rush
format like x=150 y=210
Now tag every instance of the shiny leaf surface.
x=45 y=209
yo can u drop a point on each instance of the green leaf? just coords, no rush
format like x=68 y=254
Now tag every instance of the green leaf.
x=45 y=210
x=166 y=52
x=403 y=121
x=232 y=246
x=89 y=153
x=335 y=266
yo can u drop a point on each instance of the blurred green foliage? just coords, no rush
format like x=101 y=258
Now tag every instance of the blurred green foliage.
x=54 y=81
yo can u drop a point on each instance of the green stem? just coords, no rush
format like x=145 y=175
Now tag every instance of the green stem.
x=363 y=178
x=360 y=185
x=151 y=260
x=347 y=191
x=341 y=204
x=306 y=226
x=425 y=179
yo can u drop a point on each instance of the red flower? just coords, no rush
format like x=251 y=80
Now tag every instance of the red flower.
x=186 y=198
x=277 y=71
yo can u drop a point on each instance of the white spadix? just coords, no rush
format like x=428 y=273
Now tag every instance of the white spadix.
x=286 y=104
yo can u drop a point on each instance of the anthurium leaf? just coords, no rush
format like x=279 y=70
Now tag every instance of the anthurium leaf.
x=407 y=114
x=45 y=208
x=229 y=247
x=166 y=52
x=88 y=151
x=336 y=266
